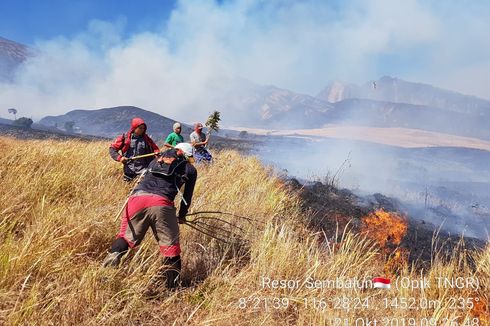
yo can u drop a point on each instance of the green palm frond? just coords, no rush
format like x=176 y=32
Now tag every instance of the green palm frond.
x=213 y=121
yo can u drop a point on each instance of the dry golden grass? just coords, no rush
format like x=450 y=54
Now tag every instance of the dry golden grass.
x=57 y=208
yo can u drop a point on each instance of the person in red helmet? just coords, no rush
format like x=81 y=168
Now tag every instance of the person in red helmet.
x=133 y=143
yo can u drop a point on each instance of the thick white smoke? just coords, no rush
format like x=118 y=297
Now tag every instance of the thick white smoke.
x=297 y=45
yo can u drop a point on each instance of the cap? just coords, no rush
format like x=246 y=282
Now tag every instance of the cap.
x=186 y=148
x=176 y=125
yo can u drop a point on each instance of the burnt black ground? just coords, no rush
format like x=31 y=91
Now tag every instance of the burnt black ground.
x=329 y=209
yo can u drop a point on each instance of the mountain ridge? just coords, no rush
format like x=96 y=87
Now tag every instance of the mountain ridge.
x=256 y=106
x=109 y=122
x=12 y=55
x=392 y=89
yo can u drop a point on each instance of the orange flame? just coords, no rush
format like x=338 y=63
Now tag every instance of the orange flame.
x=385 y=228
x=481 y=310
x=388 y=230
x=396 y=262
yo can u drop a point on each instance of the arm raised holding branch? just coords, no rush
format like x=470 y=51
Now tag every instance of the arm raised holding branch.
x=213 y=122
x=200 y=140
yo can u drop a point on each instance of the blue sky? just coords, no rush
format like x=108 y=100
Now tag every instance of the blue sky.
x=107 y=52
x=27 y=21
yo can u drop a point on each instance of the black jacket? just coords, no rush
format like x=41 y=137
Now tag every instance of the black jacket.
x=164 y=179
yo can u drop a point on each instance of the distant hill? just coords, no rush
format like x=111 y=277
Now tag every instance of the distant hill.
x=402 y=115
x=34 y=133
x=110 y=122
x=253 y=105
x=270 y=107
x=6 y=121
x=389 y=89
x=35 y=126
x=392 y=102
x=12 y=54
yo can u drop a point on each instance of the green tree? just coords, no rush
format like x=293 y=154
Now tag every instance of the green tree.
x=213 y=121
x=23 y=122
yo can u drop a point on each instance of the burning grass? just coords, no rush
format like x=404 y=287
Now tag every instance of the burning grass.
x=388 y=229
x=57 y=220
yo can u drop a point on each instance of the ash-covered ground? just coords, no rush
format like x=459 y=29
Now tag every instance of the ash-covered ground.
x=446 y=187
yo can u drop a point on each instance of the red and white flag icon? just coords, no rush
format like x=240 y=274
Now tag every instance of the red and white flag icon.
x=381 y=283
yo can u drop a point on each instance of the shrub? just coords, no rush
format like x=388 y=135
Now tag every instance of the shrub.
x=23 y=122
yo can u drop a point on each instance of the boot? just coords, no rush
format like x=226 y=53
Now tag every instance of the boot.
x=118 y=249
x=113 y=259
x=172 y=270
x=167 y=276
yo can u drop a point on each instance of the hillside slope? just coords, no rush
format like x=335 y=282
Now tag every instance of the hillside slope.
x=395 y=90
x=371 y=113
x=57 y=221
x=12 y=55
x=110 y=122
x=44 y=133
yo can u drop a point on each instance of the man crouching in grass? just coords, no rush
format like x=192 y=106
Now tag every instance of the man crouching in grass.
x=152 y=205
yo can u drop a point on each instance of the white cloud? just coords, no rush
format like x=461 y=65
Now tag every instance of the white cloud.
x=297 y=45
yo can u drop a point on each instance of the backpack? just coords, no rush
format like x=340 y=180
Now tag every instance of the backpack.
x=167 y=164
